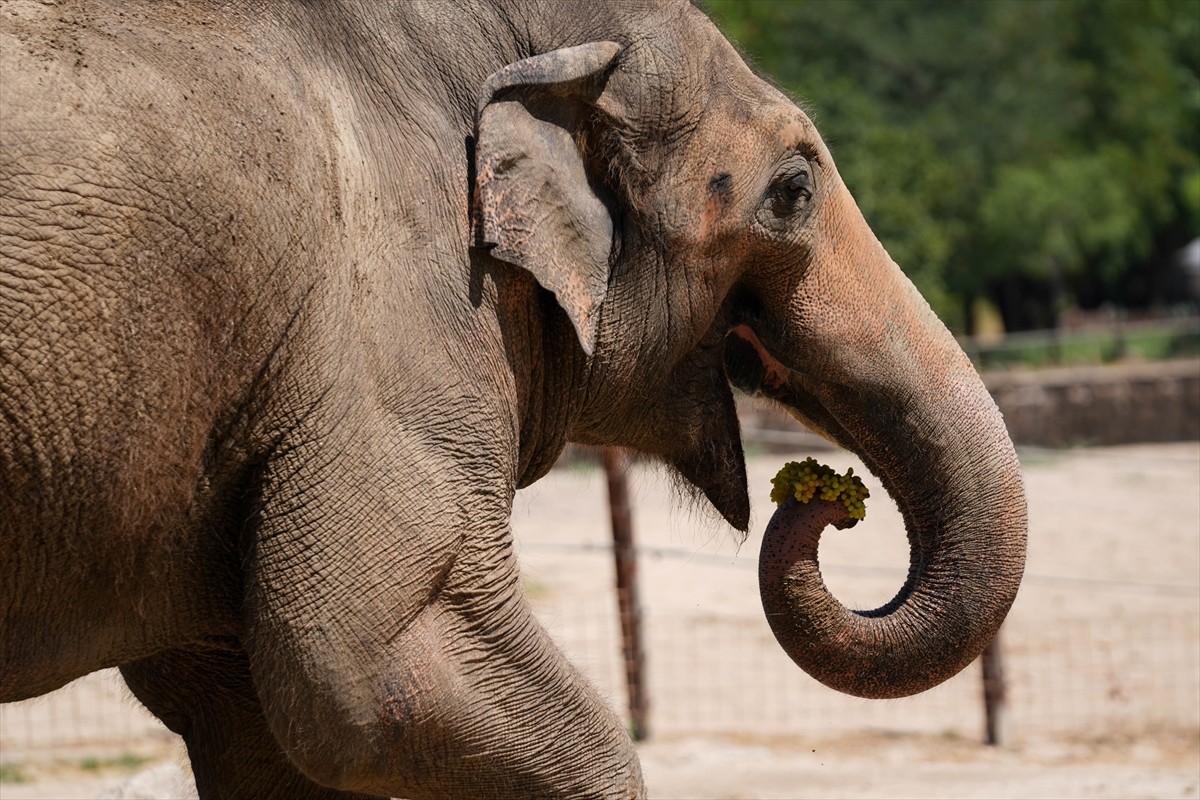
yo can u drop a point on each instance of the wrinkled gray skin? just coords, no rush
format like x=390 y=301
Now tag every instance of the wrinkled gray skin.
x=294 y=297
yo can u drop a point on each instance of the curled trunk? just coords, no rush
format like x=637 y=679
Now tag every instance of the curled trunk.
x=946 y=459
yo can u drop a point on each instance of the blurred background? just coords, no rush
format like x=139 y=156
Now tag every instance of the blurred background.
x=1035 y=168
x=1030 y=164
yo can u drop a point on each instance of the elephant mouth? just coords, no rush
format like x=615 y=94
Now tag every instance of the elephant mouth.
x=752 y=369
x=749 y=365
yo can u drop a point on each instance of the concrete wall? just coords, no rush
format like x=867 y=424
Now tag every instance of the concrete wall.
x=1120 y=404
x=1116 y=404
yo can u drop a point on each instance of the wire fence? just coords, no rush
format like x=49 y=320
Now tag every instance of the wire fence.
x=1088 y=678
x=1098 y=676
x=93 y=713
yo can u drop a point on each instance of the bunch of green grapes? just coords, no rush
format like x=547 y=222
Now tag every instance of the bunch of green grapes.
x=807 y=479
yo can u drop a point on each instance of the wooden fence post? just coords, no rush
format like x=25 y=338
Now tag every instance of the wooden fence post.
x=616 y=465
x=994 y=692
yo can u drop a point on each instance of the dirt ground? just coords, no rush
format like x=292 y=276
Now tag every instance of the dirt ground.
x=1102 y=648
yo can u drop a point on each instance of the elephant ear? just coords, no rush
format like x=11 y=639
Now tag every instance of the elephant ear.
x=534 y=206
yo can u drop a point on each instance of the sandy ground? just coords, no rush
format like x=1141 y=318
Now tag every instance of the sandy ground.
x=1102 y=648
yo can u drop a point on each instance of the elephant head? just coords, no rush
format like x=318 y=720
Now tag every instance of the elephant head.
x=696 y=234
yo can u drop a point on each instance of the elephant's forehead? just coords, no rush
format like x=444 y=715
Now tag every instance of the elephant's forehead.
x=780 y=127
x=794 y=129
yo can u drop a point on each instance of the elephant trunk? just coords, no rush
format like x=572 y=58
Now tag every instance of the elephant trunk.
x=958 y=486
x=888 y=381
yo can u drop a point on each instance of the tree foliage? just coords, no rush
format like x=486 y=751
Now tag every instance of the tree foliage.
x=1037 y=153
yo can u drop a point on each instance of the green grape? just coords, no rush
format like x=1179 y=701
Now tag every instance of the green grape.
x=808 y=479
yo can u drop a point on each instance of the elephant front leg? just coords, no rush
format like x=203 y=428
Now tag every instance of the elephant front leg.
x=395 y=653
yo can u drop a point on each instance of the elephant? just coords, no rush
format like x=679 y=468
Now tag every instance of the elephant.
x=294 y=297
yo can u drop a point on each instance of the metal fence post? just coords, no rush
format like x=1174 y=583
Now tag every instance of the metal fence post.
x=616 y=465
x=994 y=692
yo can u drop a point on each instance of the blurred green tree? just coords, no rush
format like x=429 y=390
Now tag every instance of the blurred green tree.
x=1039 y=154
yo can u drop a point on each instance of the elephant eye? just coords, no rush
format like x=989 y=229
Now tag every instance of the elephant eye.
x=792 y=190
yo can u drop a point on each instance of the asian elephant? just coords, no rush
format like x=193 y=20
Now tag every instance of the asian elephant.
x=295 y=296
